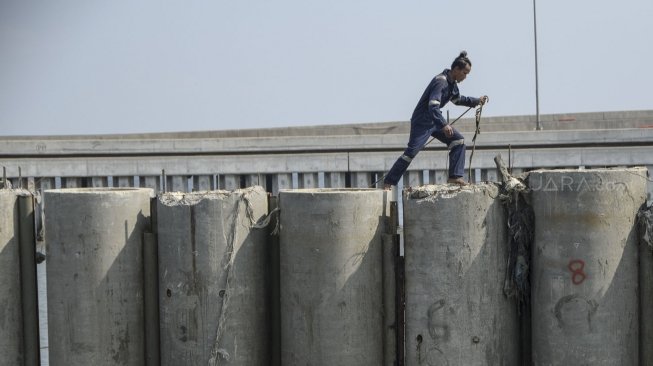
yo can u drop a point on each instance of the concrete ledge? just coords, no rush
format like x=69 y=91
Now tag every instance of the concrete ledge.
x=317 y=162
x=294 y=144
x=567 y=121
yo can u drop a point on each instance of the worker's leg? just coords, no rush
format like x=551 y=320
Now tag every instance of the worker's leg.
x=419 y=135
x=456 y=146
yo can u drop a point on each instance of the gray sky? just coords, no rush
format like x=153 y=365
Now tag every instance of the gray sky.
x=87 y=67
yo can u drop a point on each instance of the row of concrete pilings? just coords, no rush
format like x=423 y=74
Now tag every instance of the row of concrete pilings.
x=555 y=271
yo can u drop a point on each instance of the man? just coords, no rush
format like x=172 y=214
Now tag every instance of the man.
x=427 y=120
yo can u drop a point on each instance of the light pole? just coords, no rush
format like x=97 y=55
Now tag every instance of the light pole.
x=537 y=86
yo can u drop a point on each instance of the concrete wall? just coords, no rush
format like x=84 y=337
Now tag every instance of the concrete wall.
x=337 y=169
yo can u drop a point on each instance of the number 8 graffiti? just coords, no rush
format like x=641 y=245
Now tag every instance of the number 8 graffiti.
x=576 y=267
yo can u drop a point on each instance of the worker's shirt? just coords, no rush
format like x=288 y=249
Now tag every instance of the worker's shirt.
x=439 y=92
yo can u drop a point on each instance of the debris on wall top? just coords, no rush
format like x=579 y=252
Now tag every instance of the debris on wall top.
x=434 y=191
x=193 y=198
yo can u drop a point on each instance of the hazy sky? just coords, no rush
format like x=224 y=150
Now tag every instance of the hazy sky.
x=89 y=66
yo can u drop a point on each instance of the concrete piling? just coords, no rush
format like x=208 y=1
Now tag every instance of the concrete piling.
x=29 y=293
x=390 y=256
x=584 y=279
x=275 y=286
x=645 y=221
x=11 y=319
x=390 y=247
x=151 y=299
x=95 y=275
x=213 y=280
x=331 y=276
x=455 y=263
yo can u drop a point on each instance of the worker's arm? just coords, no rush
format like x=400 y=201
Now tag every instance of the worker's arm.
x=435 y=99
x=469 y=101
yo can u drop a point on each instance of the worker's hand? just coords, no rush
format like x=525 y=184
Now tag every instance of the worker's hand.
x=448 y=130
x=484 y=99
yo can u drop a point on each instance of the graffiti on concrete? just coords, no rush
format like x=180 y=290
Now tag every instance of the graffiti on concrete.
x=439 y=332
x=576 y=267
x=574 y=314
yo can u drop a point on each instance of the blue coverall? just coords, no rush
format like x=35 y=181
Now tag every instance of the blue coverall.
x=427 y=120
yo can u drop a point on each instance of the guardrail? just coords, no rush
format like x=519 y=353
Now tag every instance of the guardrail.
x=311 y=157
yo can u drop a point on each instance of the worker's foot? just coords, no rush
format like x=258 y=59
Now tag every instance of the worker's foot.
x=387 y=187
x=460 y=181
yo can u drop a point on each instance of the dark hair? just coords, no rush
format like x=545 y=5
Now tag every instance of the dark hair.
x=461 y=61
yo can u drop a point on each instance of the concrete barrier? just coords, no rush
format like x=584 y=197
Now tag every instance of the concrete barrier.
x=585 y=305
x=11 y=319
x=95 y=275
x=592 y=286
x=213 y=279
x=331 y=276
x=456 y=254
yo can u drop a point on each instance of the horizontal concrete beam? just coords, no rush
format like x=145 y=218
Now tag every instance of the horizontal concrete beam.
x=521 y=158
x=566 y=121
x=174 y=165
x=316 y=162
x=293 y=144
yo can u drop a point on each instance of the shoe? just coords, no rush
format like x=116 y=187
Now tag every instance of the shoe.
x=387 y=187
x=459 y=181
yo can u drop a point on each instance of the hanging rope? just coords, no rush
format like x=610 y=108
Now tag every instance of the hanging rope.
x=513 y=195
x=478 y=130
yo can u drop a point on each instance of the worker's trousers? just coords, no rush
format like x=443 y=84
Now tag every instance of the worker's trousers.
x=419 y=134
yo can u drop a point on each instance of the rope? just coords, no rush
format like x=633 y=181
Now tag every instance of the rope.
x=378 y=180
x=639 y=175
x=264 y=222
x=478 y=130
x=450 y=124
x=521 y=224
x=425 y=145
x=645 y=221
x=218 y=352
